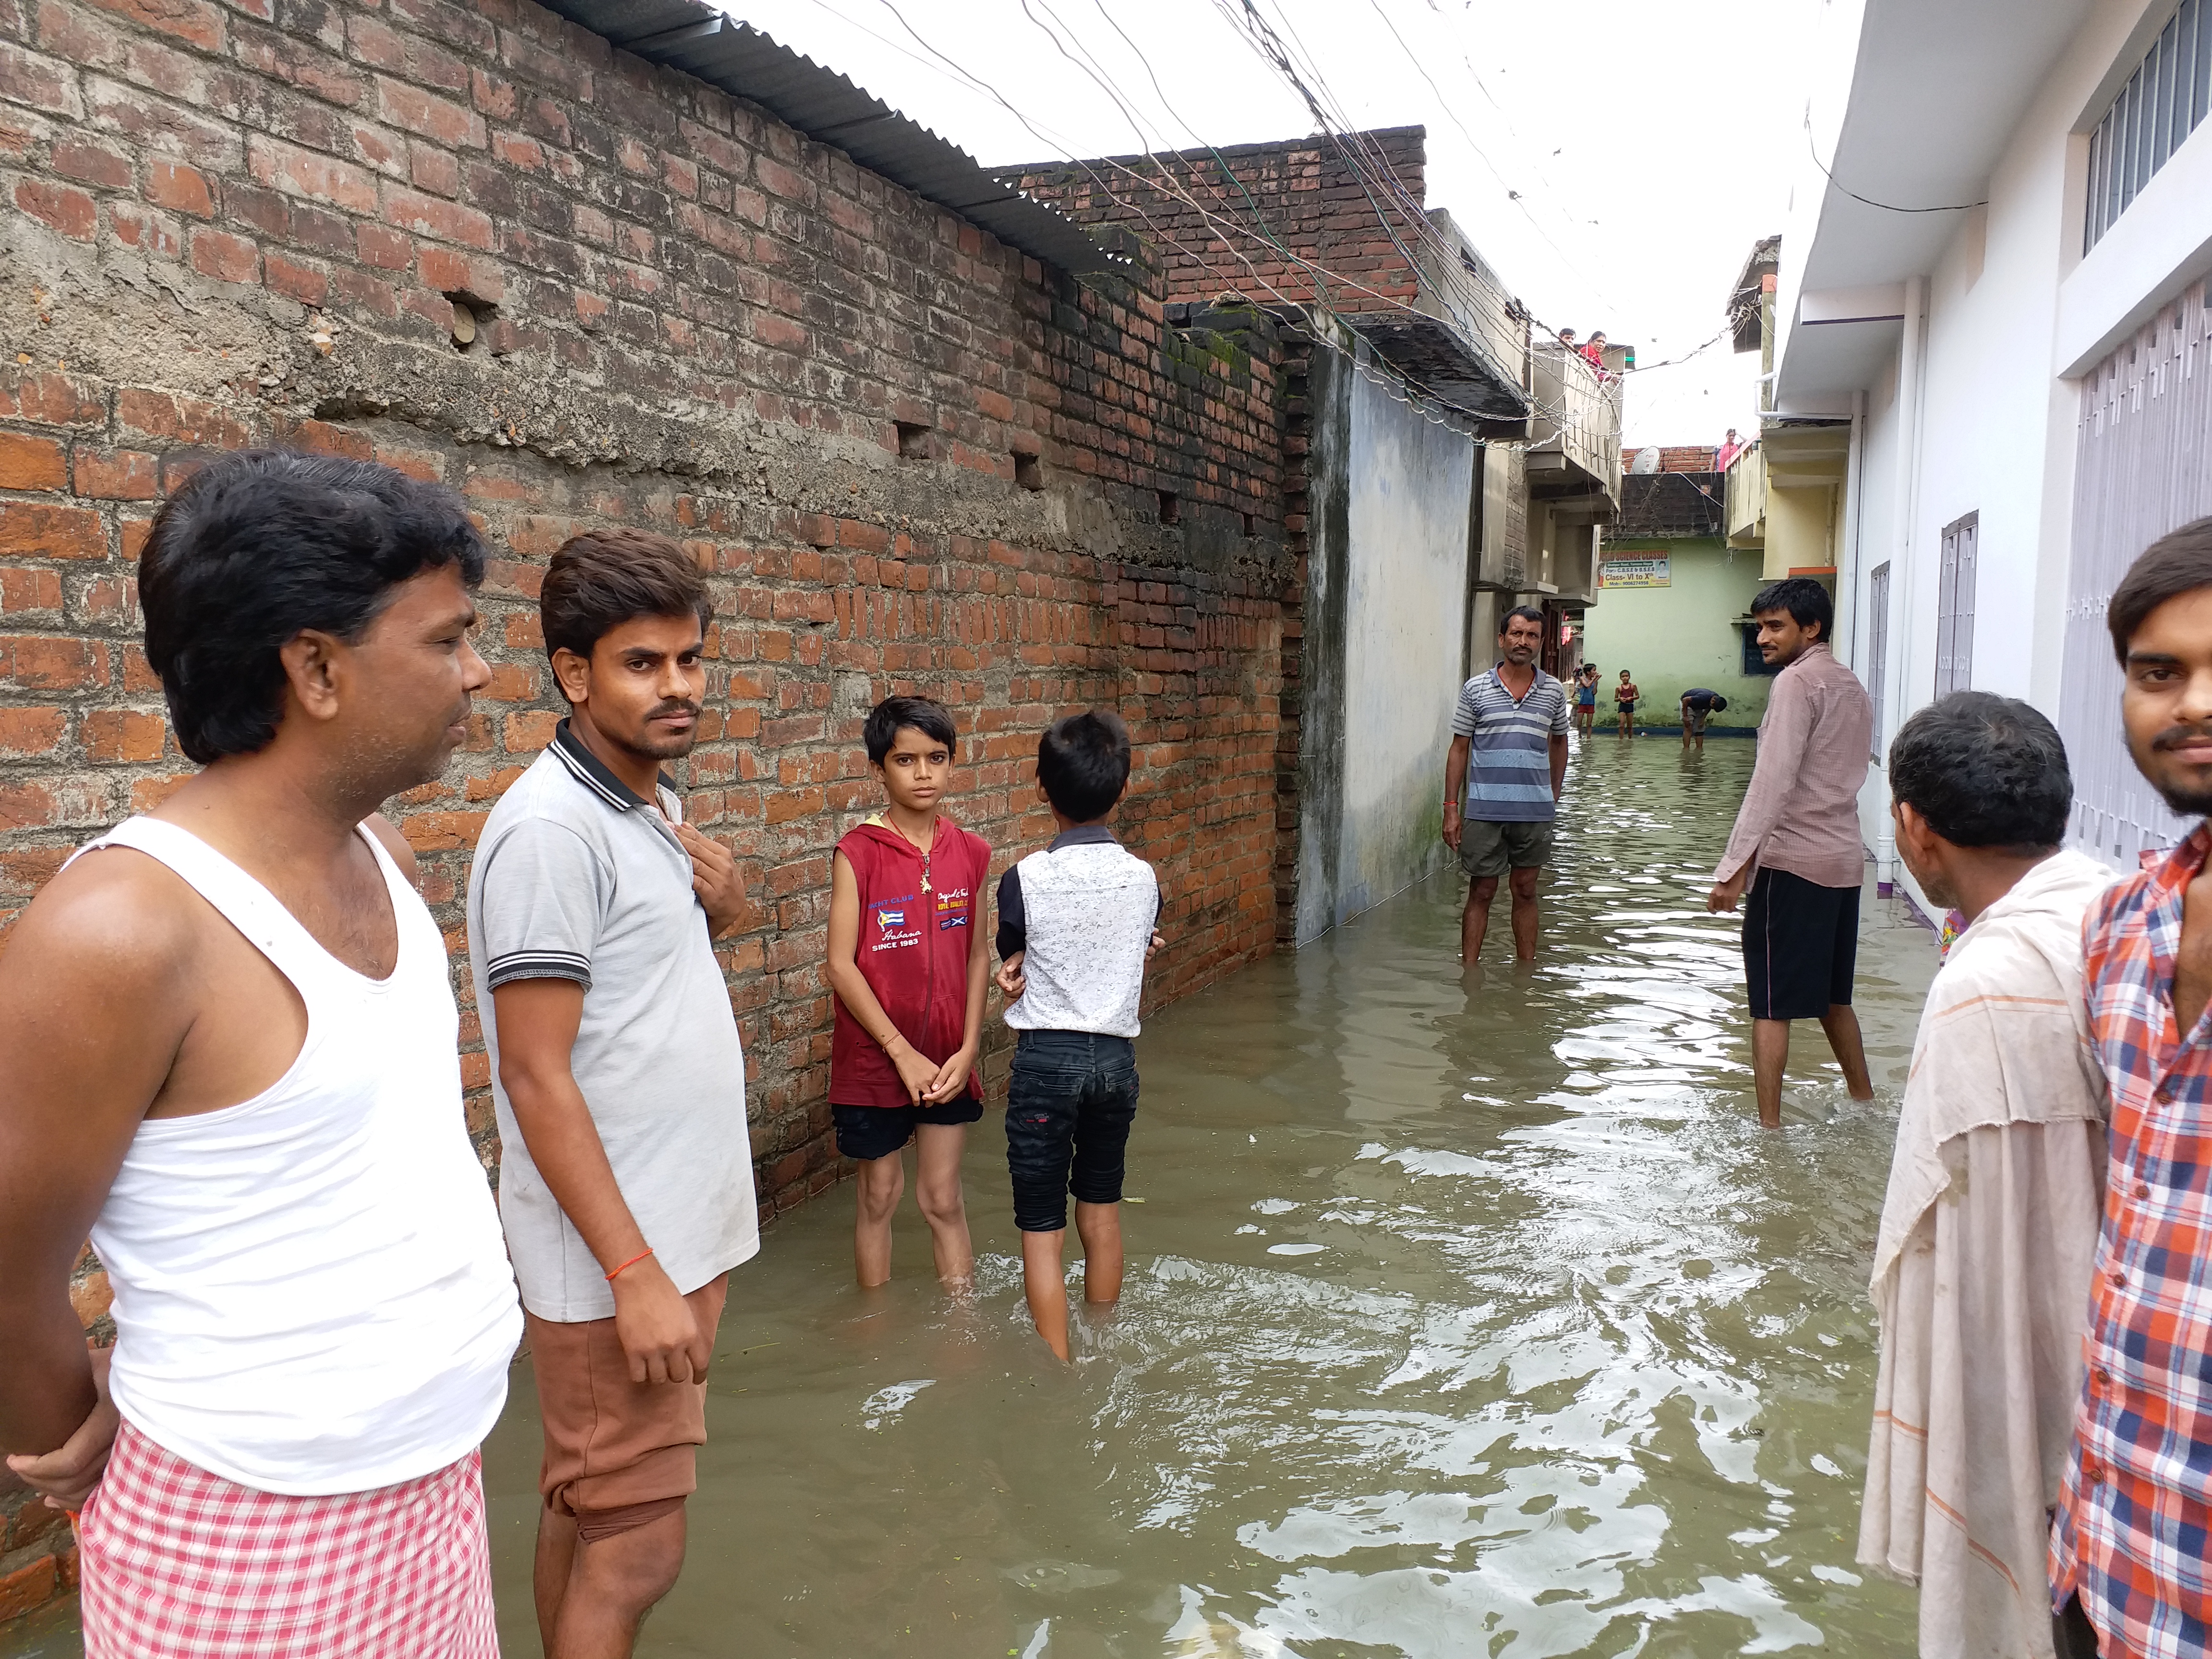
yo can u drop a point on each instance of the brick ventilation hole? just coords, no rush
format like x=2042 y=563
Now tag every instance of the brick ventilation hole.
x=1171 y=508
x=472 y=313
x=912 y=439
x=1251 y=524
x=1029 y=473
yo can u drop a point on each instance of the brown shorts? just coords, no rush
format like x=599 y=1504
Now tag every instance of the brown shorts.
x=617 y=1454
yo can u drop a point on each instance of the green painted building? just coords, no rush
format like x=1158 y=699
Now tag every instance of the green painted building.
x=1673 y=605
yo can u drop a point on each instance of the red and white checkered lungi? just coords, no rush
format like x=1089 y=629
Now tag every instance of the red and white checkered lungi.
x=180 y=1564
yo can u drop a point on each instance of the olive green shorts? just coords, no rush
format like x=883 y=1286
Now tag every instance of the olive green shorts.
x=1491 y=849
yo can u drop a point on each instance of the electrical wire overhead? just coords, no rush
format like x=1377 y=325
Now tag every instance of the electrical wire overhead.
x=1224 y=219
x=1812 y=149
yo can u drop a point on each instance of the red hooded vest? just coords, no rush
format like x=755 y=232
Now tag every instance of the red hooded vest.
x=918 y=920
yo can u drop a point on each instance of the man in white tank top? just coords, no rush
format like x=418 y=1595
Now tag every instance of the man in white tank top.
x=230 y=1058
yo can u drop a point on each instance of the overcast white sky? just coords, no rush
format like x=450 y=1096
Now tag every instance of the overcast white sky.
x=1649 y=141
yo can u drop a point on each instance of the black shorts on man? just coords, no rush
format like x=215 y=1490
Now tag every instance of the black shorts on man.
x=1801 y=945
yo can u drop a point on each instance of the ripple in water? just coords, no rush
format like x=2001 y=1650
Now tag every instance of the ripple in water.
x=1467 y=1314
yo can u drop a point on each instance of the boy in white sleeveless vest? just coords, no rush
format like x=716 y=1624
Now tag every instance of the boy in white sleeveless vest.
x=230 y=1054
x=1075 y=926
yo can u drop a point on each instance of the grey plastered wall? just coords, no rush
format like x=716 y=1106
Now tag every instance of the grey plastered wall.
x=1386 y=620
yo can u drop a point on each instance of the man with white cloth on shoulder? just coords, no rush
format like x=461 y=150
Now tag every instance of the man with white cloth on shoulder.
x=1989 y=1232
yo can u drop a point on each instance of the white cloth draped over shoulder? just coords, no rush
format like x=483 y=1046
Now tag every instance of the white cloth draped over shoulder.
x=1981 y=1273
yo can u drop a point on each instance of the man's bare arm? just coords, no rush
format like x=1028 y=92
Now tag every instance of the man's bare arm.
x=1455 y=760
x=1559 y=763
x=537 y=1020
x=95 y=1000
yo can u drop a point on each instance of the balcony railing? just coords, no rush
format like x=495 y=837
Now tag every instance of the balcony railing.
x=1577 y=414
x=1746 y=498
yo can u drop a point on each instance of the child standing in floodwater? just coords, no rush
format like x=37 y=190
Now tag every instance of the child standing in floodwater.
x=1075 y=926
x=908 y=966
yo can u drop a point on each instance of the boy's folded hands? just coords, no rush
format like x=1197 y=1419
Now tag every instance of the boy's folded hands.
x=918 y=1072
x=951 y=1079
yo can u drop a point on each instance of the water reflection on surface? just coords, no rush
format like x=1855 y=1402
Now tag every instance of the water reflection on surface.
x=1466 y=1316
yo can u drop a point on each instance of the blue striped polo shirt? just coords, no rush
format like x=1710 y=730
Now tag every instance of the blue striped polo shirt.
x=1509 y=771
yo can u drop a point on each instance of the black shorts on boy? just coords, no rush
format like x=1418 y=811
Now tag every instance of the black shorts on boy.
x=865 y=1134
x=1070 y=1102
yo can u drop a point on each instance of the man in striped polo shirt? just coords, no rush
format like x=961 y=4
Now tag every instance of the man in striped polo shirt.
x=1511 y=723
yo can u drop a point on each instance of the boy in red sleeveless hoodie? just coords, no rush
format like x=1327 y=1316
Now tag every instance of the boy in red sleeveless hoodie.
x=909 y=956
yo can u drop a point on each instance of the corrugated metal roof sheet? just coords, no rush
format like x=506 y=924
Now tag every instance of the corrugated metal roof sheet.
x=699 y=40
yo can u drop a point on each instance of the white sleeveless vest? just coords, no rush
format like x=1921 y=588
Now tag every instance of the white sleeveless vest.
x=311 y=1296
x=1088 y=911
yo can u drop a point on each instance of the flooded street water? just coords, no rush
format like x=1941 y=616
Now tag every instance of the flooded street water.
x=1467 y=1315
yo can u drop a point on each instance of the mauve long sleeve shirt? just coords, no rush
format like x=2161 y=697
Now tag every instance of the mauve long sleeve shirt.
x=1802 y=811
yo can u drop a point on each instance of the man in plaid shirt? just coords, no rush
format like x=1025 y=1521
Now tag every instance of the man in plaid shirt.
x=2128 y=1545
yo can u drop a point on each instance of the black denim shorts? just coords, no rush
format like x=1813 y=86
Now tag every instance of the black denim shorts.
x=1069 y=1104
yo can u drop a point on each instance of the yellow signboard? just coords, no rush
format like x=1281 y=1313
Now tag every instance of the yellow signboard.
x=1636 y=572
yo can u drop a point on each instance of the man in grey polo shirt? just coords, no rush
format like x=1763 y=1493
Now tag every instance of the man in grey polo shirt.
x=627 y=1182
x=1509 y=754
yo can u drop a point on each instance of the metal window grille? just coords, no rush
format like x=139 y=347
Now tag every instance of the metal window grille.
x=2143 y=469
x=2163 y=102
x=1877 y=657
x=1954 y=607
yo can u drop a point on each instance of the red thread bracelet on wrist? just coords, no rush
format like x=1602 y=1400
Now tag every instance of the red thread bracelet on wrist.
x=632 y=1262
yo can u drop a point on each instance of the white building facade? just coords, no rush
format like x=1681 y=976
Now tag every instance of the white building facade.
x=1992 y=290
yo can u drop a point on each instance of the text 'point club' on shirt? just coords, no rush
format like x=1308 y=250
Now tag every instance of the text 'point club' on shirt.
x=1508 y=770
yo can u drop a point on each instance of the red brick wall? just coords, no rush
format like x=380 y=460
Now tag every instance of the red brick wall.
x=1258 y=219
x=237 y=223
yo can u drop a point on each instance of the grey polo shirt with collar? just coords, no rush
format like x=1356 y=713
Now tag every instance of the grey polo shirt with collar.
x=577 y=877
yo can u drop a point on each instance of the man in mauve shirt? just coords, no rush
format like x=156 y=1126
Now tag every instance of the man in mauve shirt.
x=1796 y=843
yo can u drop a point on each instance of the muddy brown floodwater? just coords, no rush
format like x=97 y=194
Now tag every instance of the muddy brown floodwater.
x=1468 y=1315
